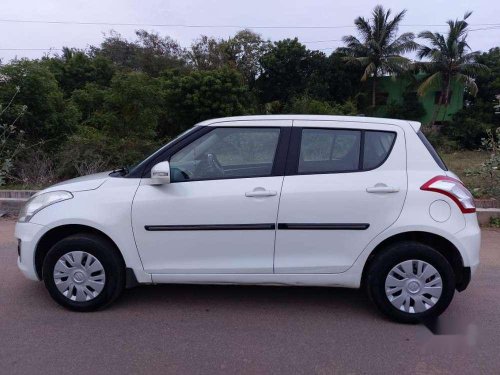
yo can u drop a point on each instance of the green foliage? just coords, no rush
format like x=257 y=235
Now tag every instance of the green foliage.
x=286 y=69
x=74 y=69
x=90 y=151
x=47 y=117
x=380 y=50
x=201 y=95
x=96 y=109
x=244 y=52
x=409 y=109
x=150 y=53
x=466 y=132
x=450 y=60
x=490 y=169
x=306 y=105
x=495 y=221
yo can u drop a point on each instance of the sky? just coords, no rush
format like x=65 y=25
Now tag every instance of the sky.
x=290 y=18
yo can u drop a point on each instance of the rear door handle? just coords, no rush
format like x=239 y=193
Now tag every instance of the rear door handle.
x=382 y=189
x=260 y=192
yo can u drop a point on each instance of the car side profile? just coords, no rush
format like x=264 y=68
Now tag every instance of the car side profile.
x=269 y=200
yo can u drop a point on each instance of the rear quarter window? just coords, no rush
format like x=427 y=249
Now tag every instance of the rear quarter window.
x=377 y=147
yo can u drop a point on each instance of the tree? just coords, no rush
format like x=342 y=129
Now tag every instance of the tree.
x=74 y=69
x=245 y=51
x=379 y=50
x=343 y=79
x=201 y=95
x=306 y=105
x=46 y=115
x=150 y=53
x=208 y=53
x=119 y=123
x=11 y=138
x=286 y=69
x=450 y=60
x=410 y=108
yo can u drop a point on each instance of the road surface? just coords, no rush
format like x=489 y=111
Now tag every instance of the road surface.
x=247 y=330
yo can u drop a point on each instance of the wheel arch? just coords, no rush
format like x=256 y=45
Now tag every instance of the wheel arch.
x=58 y=233
x=439 y=243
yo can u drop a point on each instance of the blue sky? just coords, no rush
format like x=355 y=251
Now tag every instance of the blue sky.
x=223 y=12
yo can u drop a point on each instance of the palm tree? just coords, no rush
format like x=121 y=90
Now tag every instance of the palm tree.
x=449 y=59
x=379 y=49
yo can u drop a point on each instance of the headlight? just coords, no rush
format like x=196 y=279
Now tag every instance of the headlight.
x=39 y=202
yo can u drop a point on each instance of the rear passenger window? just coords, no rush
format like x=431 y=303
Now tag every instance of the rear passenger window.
x=329 y=150
x=377 y=147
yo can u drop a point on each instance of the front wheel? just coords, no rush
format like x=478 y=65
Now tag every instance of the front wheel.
x=410 y=282
x=83 y=272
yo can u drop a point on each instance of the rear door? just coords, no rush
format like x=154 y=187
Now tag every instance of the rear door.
x=345 y=183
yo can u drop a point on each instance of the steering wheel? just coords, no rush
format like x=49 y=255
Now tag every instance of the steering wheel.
x=214 y=164
x=209 y=166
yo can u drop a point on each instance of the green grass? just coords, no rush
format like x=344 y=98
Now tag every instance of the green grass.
x=459 y=161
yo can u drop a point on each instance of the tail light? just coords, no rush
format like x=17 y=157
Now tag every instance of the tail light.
x=453 y=189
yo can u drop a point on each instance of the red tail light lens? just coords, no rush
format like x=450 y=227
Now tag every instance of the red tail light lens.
x=454 y=189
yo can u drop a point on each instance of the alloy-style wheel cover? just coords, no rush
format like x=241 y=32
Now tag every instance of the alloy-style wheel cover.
x=413 y=286
x=79 y=276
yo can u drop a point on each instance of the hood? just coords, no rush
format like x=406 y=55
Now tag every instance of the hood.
x=83 y=183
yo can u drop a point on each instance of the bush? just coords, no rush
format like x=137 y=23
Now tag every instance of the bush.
x=306 y=105
x=440 y=141
x=466 y=132
x=490 y=169
x=90 y=151
x=35 y=169
x=409 y=109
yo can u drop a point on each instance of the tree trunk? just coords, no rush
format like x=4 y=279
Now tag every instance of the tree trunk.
x=436 y=109
x=374 y=90
x=446 y=98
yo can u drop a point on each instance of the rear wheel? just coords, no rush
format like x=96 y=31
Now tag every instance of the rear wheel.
x=83 y=272
x=410 y=282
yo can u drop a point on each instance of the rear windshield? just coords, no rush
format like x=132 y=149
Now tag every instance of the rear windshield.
x=432 y=151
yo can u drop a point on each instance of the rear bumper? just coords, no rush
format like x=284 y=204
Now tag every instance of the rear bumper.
x=469 y=242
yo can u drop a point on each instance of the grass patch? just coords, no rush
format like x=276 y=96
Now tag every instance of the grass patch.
x=458 y=162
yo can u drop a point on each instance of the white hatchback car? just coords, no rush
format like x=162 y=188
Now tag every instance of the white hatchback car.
x=278 y=200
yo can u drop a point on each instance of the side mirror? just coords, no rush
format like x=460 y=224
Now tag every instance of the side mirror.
x=160 y=173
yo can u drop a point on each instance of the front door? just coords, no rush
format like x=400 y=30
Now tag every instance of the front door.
x=345 y=184
x=218 y=214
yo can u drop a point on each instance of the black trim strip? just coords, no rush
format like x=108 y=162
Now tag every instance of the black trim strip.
x=157 y=228
x=330 y=226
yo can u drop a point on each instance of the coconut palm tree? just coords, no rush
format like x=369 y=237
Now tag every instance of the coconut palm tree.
x=450 y=58
x=379 y=49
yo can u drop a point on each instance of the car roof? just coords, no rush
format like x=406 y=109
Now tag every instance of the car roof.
x=358 y=119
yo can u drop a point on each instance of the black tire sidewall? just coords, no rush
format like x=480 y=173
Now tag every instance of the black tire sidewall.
x=104 y=252
x=399 y=253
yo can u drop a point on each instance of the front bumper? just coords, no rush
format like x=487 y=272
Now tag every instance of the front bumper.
x=28 y=235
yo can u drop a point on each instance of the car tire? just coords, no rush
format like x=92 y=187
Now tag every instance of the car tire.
x=398 y=285
x=84 y=272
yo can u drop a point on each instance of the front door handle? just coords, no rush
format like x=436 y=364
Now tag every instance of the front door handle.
x=382 y=189
x=260 y=192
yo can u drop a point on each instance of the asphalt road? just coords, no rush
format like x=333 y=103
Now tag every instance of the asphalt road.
x=249 y=330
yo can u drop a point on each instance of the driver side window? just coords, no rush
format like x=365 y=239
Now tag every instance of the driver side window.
x=227 y=153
